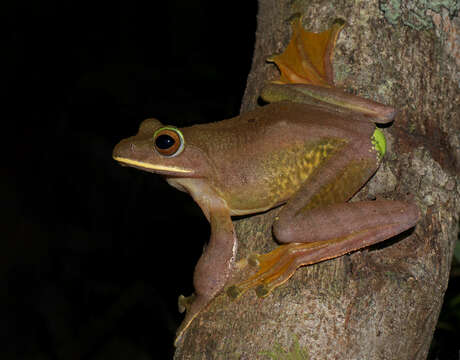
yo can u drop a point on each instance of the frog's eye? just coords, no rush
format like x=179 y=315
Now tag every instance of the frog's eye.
x=168 y=141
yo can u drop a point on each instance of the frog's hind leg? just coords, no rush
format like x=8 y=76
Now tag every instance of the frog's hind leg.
x=333 y=182
x=317 y=224
x=369 y=222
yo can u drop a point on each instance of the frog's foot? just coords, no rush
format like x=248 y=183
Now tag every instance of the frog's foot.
x=277 y=266
x=194 y=305
x=184 y=302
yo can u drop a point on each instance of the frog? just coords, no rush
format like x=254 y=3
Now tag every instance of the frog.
x=309 y=149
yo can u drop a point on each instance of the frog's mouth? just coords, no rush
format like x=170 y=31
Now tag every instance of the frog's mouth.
x=155 y=168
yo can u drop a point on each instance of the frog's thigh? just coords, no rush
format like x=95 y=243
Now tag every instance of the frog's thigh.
x=335 y=182
x=370 y=221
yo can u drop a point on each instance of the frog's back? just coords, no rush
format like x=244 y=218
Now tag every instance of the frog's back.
x=283 y=122
x=262 y=157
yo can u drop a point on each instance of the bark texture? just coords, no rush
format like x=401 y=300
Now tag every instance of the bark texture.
x=383 y=302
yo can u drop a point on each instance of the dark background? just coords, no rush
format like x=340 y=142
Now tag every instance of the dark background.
x=93 y=255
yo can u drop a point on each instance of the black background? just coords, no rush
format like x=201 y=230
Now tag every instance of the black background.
x=94 y=255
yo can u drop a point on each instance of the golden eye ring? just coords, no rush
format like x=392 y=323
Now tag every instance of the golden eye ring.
x=168 y=141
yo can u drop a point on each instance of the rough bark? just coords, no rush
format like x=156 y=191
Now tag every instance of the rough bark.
x=383 y=302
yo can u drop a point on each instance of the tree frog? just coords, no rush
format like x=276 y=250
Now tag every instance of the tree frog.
x=310 y=149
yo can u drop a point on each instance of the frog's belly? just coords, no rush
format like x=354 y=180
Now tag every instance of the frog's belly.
x=269 y=192
x=274 y=179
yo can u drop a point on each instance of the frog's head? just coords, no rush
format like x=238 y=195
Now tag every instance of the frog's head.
x=163 y=150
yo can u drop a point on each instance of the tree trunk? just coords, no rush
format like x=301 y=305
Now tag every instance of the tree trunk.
x=382 y=302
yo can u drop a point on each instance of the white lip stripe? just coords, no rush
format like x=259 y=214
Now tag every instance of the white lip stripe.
x=152 y=166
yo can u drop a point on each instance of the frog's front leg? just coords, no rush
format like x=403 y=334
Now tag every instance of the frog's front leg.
x=215 y=265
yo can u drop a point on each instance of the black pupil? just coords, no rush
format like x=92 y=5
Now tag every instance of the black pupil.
x=164 y=142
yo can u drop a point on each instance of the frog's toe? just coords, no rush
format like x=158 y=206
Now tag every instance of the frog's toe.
x=183 y=302
x=262 y=291
x=234 y=291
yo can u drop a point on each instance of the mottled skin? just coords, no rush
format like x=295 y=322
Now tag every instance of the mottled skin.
x=312 y=149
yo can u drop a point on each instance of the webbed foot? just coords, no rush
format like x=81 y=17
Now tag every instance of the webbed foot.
x=277 y=266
